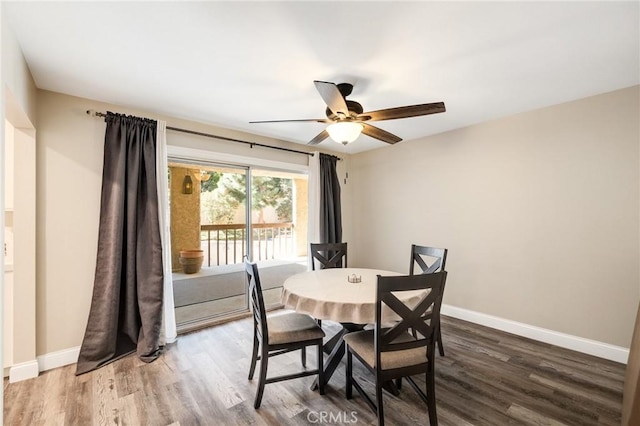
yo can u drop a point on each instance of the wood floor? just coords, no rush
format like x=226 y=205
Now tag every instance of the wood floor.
x=486 y=378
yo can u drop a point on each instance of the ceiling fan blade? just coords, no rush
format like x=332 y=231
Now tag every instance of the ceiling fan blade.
x=319 y=138
x=406 y=111
x=378 y=133
x=332 y=97
x=307 y=120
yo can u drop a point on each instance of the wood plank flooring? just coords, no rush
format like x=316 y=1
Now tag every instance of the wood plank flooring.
x=486 y=378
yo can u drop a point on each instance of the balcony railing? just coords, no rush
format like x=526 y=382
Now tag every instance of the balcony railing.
x=226 y=244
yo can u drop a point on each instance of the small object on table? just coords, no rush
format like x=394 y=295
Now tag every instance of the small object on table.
x=353 y=278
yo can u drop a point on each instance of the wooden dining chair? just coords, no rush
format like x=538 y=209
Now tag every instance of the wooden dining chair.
x=329 y=255
x=429 y=259
x=393 y=353
x=278 y=334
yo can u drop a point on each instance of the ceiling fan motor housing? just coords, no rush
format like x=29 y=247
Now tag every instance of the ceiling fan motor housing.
x=354 y=109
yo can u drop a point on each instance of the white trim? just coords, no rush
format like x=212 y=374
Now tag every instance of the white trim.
x=168 y=330
x=568 y=341
x=58 y=358
x=240 y=160
x=23 y=371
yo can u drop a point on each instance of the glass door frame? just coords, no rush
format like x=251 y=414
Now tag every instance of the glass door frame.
x=205 y=157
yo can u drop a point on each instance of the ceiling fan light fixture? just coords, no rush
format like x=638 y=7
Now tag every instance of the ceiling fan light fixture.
x=344 y=132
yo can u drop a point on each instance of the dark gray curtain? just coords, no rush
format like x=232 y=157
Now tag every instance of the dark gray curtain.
x=126 y=307
x=330 y=208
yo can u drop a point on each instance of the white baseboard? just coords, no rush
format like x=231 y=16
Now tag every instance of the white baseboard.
x=58 y=359
x=31 y=369
x=65 y=357
x=579 y=344
x=23 y=371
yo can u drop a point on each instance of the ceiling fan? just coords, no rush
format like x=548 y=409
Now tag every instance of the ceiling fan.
x=347 y=120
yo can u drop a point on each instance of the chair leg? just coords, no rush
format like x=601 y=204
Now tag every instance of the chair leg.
x=431 y=395
x=254 y=357
x=379 y=403
x=399 y=383
x=348 y=375
x=263 y=376
x=303 y=356
x=440 y=347
x=320 y=369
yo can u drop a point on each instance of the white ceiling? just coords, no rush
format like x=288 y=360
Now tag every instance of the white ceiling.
x=228 y=63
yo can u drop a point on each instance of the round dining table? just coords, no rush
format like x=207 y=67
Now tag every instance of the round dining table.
x=329 y=294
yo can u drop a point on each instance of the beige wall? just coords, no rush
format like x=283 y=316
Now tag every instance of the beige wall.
x=539 y=212
x=24 y=244
x=69 y=160
x=70 y=154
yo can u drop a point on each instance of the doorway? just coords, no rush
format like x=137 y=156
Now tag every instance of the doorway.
x=18 y=193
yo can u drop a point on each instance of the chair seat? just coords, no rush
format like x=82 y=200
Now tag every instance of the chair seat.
x=362 y=343
x=292 y=327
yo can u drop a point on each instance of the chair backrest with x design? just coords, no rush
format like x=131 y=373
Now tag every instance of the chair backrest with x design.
x=257 y=301
x=423 y=318
x=329 y=255
x=430 y=260
x=437 y=258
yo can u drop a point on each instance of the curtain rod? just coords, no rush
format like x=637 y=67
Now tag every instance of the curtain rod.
x=208 y=135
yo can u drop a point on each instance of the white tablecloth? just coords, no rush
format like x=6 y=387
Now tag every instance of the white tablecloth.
x=326 y=294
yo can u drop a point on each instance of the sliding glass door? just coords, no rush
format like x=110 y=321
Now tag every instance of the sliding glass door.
x=214 y=226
